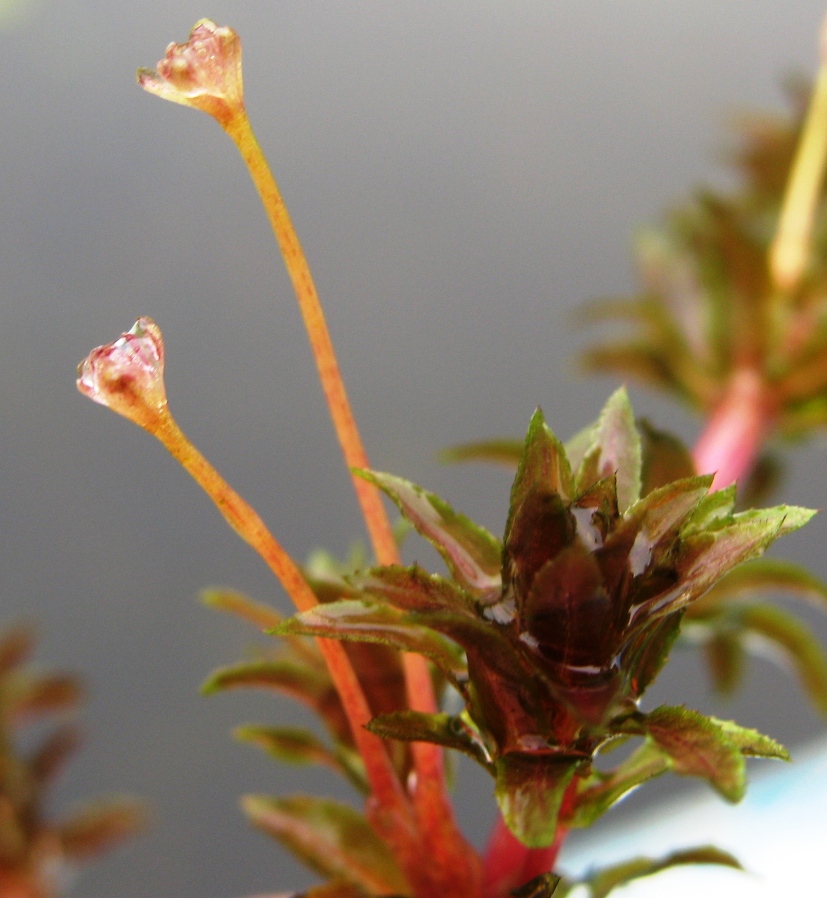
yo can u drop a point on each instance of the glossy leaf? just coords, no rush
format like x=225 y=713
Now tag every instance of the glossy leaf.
x=616 y=452
x=529 y=791
x=544 y=467
x=440 y=729
x=330 y=838
x=413 y=589
x=363 y=622
x=471 y=552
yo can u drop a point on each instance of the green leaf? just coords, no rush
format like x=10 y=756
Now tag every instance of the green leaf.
x=664 y=458
x=750 y=742
x=529 y=791
x=330 y=838
x=717 y=508
x=283 y=675
x=440 y=729
x=101 y=826
x=763 y=574
x=597 y=793
x=470 y=551
x=352 y=619
x=293 y=745
x=797 y=644
x=502 y=452
x=618 y=447
x=725 y=660
x=232 y=602
x=606 y=880
x=543 y=467
x=413 y=589
x=699 y=746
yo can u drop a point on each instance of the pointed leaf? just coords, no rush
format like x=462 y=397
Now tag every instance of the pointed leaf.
x=716 y=508
x=797 y=645
x=604 y=881
x=229 y=600
x=330 y=838
x=503 y=452
x=440 y=729
x=615 y=452
x=470 y=551
x=529 y=792
x=750 y=742
x=543 y=466
x=283 y=675
x=699 y=746
x=600 y=791
x=762 y=574
x=363 y=622
x=293 y=745
x=99 y=827
x=413 y=589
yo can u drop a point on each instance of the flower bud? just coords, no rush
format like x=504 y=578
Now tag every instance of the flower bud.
x=128 y=375
x=204 y=73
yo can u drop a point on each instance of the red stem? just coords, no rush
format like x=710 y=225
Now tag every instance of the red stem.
x=732 y=439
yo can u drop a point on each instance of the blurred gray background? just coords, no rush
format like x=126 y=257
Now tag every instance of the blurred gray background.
x=462 y=175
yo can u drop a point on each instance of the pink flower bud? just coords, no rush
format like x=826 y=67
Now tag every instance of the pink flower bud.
x=204 y=73
x=128 y=375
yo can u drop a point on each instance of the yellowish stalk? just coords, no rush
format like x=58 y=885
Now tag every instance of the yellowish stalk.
x=790 y=250
x=246 y=522
x=376 y=519
x=427 y=757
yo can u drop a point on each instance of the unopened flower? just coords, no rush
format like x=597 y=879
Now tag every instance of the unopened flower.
x=204 y=72
x=128 y=375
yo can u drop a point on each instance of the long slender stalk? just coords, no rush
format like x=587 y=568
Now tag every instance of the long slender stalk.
x=429 y=792
x=249 y=526
x=791 y=247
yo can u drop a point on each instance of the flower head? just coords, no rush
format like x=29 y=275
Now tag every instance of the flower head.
x=128 y=375
x=204 y=72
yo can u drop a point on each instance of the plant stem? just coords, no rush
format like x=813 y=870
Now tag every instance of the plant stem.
x=249 y=526
x=732 y=438
x=428 y=787
x=376 y=519
x=791 y=247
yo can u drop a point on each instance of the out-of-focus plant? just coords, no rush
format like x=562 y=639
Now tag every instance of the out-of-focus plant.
x=548 y=638
x=38 y=854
